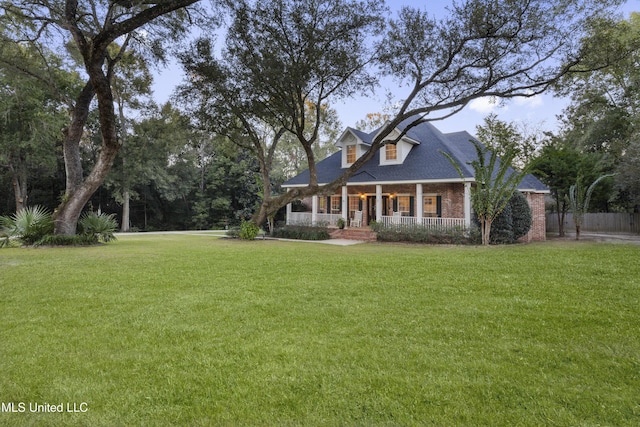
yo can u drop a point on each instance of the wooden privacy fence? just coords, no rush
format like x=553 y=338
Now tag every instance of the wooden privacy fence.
x=598 y=223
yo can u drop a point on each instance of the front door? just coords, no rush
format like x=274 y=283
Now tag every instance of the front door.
x=371 y=207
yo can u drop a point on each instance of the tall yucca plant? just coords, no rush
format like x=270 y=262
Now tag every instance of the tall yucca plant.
x=495 y=183
x=579 y=200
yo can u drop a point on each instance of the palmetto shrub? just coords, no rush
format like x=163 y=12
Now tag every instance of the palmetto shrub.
x=100 y=226
x=34 y=226
x=27 y=226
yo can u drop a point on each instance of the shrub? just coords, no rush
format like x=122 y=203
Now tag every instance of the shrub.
x=522 y=216
x=233 y=232
x=100 y=226
x=502 y=227
x=27 y=226
x=513 y=222
x=421 y=234
x=248 y=230
x=301 y=232
x=64 y=240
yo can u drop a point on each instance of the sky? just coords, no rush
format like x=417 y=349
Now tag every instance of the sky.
x=539 y=112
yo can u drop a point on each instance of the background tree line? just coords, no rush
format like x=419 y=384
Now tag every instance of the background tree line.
x=255 y=107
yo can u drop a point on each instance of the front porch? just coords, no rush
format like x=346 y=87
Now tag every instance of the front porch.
x=331 y=220
x=437 y=206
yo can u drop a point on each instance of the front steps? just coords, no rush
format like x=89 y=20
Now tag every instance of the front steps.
x=364 y=234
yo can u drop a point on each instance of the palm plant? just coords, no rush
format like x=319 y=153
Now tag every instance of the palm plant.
x=100 y=226
x=27 y=225
x=579 y=201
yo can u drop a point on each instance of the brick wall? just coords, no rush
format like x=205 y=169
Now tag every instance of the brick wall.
x=538 y=227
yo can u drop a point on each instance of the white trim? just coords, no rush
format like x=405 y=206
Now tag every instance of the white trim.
x=421 y=181
x=345 y=204
x=531 y=190
x=378 y=202
x=419 y=202
x=314 y=209
x=467 y=205
x=391 y=135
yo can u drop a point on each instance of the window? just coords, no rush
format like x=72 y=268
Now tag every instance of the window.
x=391 y=151
x=322 y=205
x=430 y=204
x=336 y=202
x=404 y=204
x=351 y=154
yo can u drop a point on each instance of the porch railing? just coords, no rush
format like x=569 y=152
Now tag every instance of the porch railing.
x=304 y=218
x=436 y=223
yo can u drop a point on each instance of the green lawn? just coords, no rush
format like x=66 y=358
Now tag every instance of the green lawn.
x=191 y=330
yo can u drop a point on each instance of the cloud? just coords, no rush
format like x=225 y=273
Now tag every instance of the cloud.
x=532 y=102
x=484 y=105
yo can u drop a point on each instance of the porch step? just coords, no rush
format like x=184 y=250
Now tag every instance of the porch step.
x=354 y=234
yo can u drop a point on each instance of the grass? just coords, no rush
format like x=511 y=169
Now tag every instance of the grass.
x=191 y=330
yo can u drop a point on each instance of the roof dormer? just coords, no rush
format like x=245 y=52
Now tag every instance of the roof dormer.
x=353 y=144
x=396 y=148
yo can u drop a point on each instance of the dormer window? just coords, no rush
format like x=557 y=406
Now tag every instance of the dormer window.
x=351 y=154
x=391 y=152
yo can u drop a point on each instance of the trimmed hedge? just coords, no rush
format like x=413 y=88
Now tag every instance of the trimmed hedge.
x=421 y=234
x=300 y=232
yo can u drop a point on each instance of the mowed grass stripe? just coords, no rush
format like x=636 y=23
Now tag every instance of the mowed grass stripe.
x=191 y=330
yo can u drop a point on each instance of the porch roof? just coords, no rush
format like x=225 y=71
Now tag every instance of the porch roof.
x=424 y=163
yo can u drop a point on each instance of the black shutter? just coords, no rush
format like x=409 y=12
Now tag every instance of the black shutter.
x=412 y=202
x=395 y=204
x=439 y=206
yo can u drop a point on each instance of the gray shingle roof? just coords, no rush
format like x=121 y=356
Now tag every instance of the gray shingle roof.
x=424 y=163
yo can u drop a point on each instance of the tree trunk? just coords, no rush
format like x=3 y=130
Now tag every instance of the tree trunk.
x=77 y=194
x=485 y=230
x=19 y=182
x=577 y=232
x=124 y=227
x=261 y=216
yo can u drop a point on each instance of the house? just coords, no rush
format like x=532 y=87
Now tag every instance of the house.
x=407 y=183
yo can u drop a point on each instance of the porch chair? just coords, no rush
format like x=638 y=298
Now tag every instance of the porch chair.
x=356 y=221
x=397 y=218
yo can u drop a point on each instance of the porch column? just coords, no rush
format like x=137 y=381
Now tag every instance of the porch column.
x=314 y=209
x=345 y=204
x=288 y=213
x=467 y=205
x=419 y=204
x=378 y=203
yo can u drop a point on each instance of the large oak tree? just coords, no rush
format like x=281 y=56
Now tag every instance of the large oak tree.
x=498 y=48
x=89 y=29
